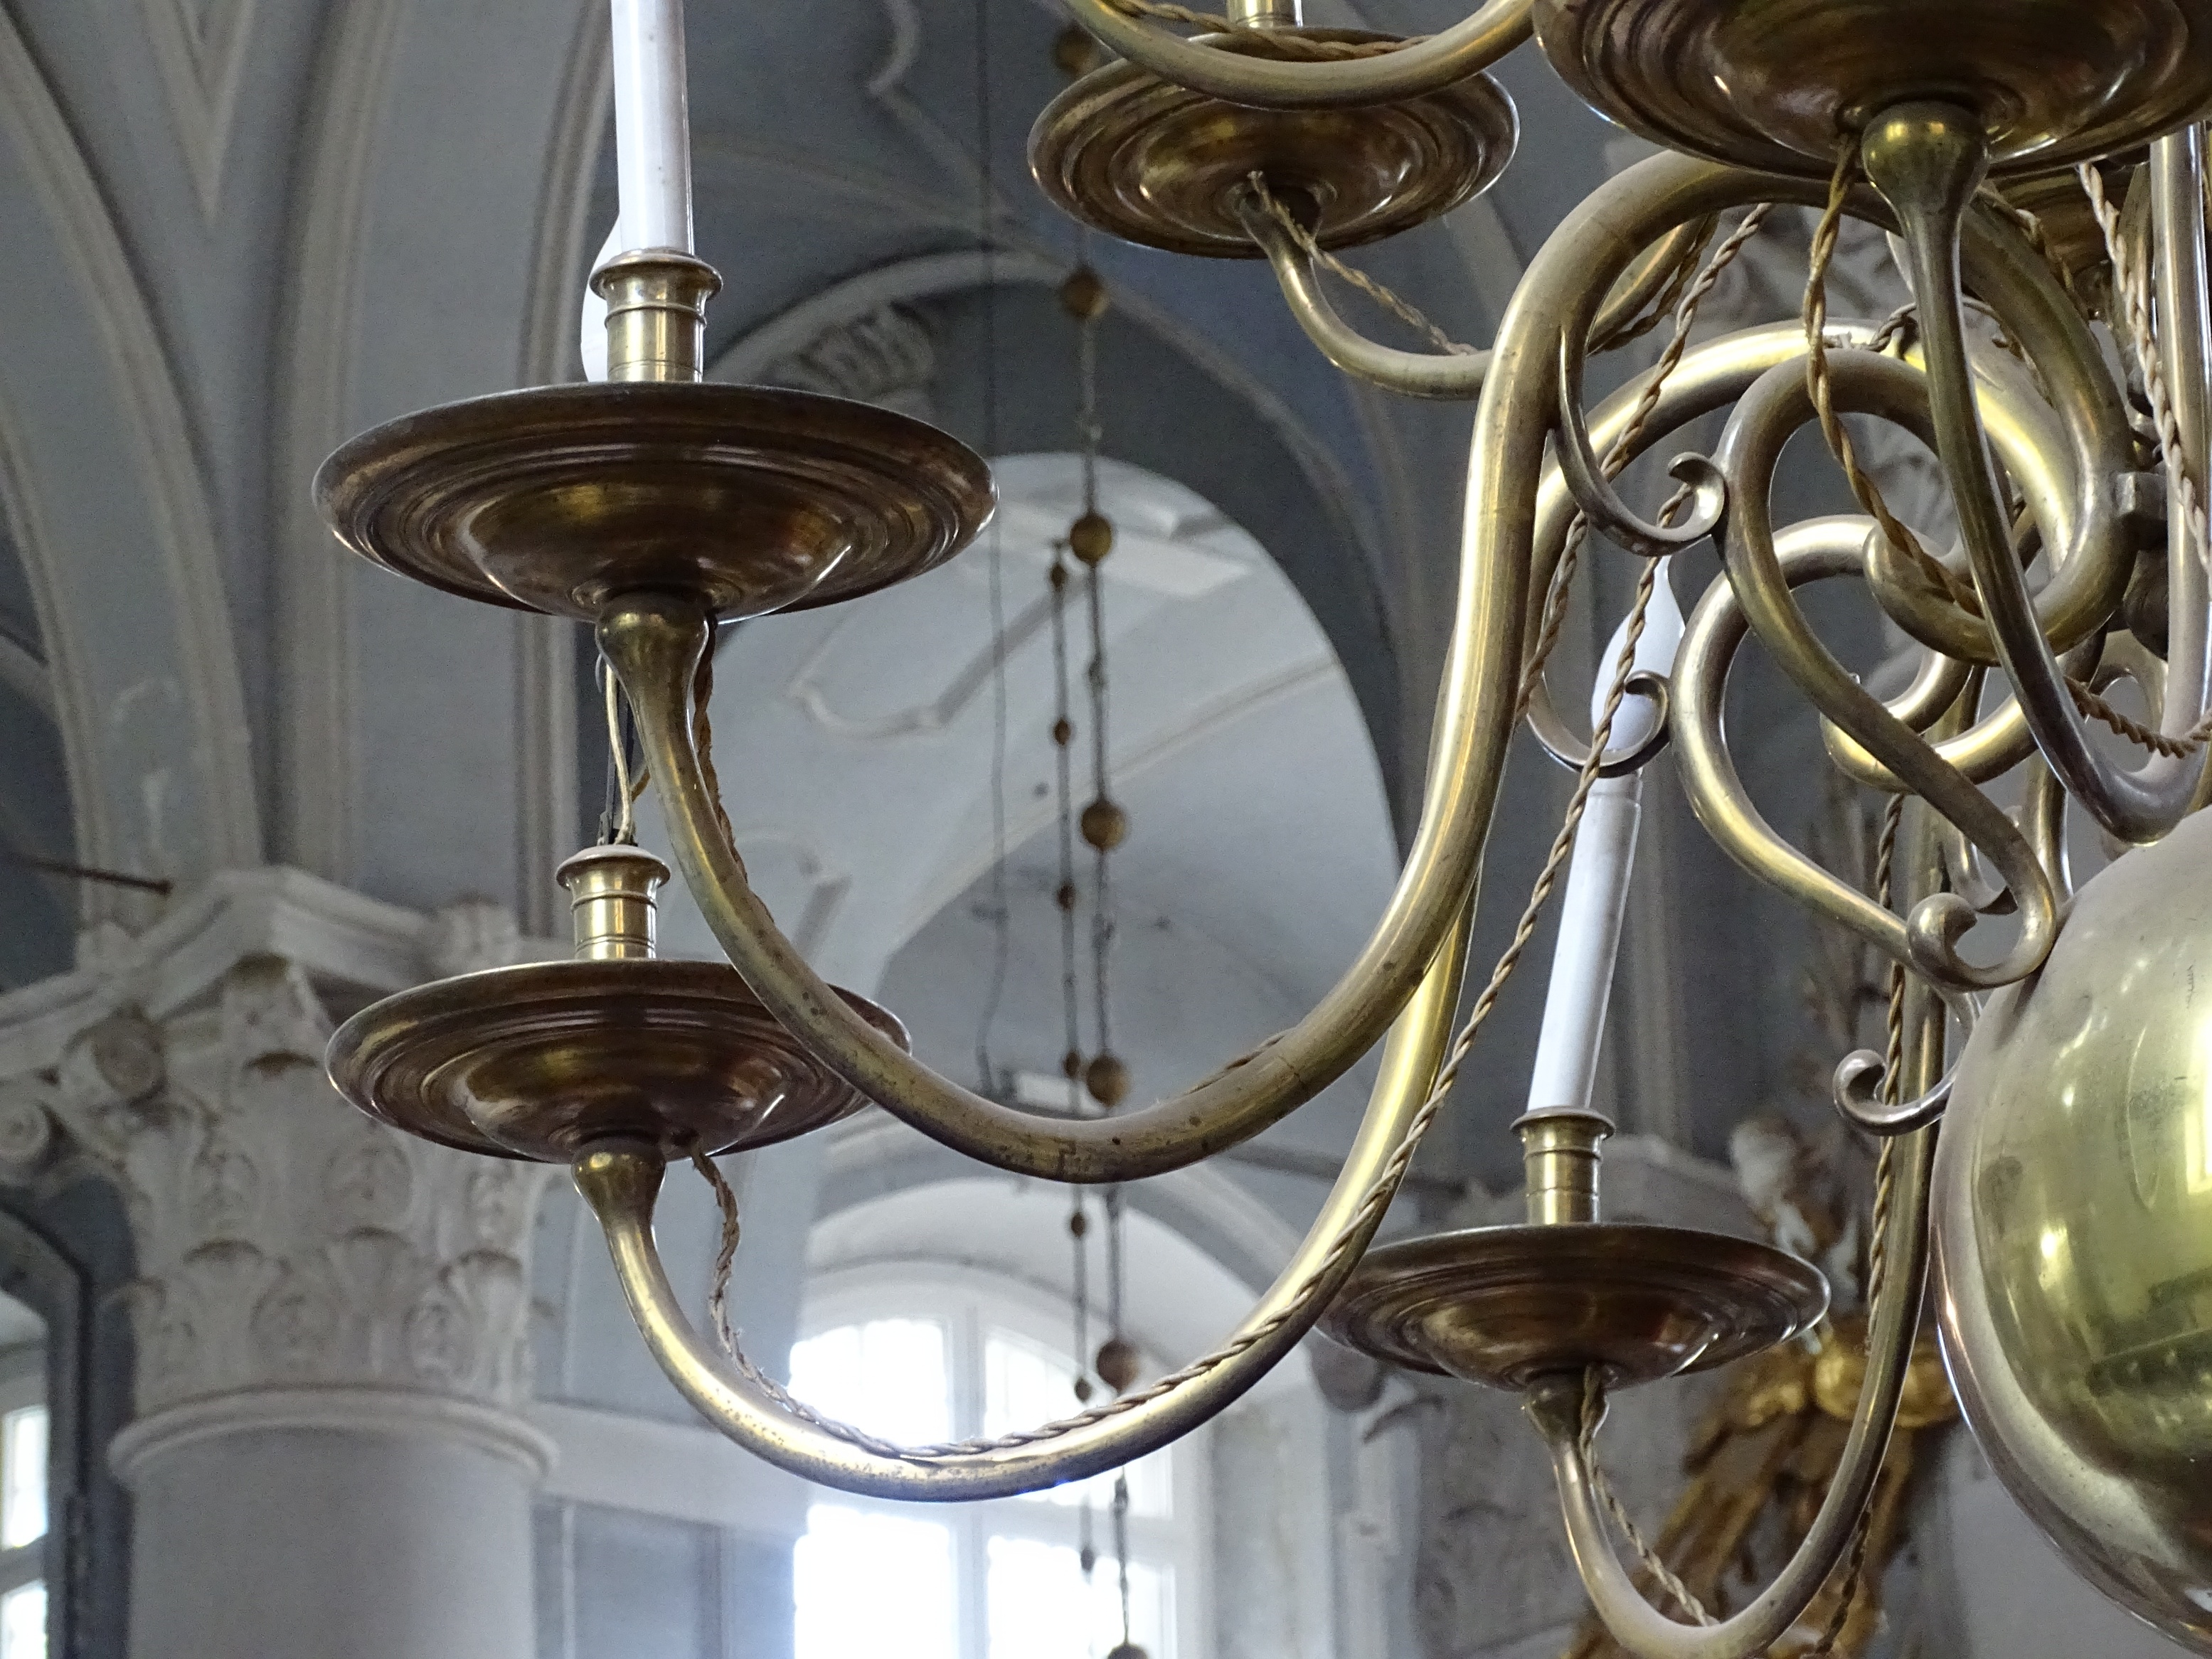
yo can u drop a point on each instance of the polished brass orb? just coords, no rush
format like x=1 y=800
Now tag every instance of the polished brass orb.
x=1774 y=85
x=1108 y=1080
x=1149 y=162
x=1116 y=1363
x=1083 y=295
x=1105 y=826
x=752 y=499
x=1506 y=1305
x=2073 y=1235
x=1091 y=538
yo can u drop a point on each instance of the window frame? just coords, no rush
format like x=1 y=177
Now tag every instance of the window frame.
x=971 y=1300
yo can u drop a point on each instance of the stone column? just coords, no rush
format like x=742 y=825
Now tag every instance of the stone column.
x=329 y=1460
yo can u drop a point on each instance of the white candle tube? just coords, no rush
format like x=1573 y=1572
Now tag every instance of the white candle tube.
x=1591 y=909
x=652 y=125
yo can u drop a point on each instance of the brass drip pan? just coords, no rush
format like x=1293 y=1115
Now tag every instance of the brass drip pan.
x=1152 y=162
x=1772 y=86
x=539 y=1061
x=752 y=498
x=1505 y=1305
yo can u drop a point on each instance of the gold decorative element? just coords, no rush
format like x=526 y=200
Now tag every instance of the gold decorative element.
x=751 y=499
x=1149 y=162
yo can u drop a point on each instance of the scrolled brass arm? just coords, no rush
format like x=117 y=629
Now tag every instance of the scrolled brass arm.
x=1926 y=161
x=1765 y=419
x=1556 y=1407
x=621 y=1184
x=1468 y=47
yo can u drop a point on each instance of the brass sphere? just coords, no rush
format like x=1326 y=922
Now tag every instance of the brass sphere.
x=1070 y=1065
x=1063 y=732
x=1105 y=826
x=1074 y=53
x=1078 y=1225
x=1116 y=1363
x=1108 y=1080
x=1083 y=295
x=2073 y=1235
x=1091 y=538
x=1064 y=895
x=1082 y=1391
x=1126 y=1650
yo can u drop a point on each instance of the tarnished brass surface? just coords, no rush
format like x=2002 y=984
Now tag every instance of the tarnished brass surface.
x=1505 y=1305
x=750 y=498
x=656 y=313
x=2074 y=1235
x=1774 y=84
x=542 y=1060
x=1145 y=160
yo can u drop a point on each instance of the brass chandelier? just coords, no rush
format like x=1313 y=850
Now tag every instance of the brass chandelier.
x=2041 y=164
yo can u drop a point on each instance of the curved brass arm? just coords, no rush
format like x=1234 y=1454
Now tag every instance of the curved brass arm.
x=1766 y=419
x=653 y=642
x=1811 y=551
x=621 y=1184
x=1468 y=47
x=1926 y=160
x=1448 y=376
x=1555 y=1406
x=1436 y=374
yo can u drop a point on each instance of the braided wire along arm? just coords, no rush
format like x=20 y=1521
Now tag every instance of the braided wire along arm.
x=1555 y=1406
x=1412 y=70
x=1926 y=160
x=1764 y=420
x=1451 y=375
x=1454 y=371
x=622 y=1182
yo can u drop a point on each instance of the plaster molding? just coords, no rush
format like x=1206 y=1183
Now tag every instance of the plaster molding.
x=200 y=49
x=921 y=719
x=185 y=547
x=677 y=1471
x=317 y=785
x=282 y=1240
x=391 y=1412
x=887 y=356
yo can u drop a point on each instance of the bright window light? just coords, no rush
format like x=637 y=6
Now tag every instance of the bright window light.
x=888 y=1376
x=23 y=1478
x=23 y=1622
x=1041 y=1606
x=868 y=1584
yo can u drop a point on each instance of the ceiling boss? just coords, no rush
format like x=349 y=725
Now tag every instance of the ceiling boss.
x=2040 y=167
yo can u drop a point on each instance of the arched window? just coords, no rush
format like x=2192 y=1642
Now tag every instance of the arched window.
x=943 y=1353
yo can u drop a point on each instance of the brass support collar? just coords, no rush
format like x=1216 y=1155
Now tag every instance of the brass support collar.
x=1559 y=1160
x=656 y=313
x=610 y=899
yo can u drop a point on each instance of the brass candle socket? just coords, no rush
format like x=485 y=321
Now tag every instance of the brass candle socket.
x=656 y=313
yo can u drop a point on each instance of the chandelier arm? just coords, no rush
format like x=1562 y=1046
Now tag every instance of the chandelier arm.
x=2091 y=554
x=1814 y=550
x=1556 y=1406
x=1440 y=375
x=1593 y=492
x=2185 y=338
x=1764 y=420
x=2043 y=819
x=654 y=642
x=1709 y=378
x=1468 y=47
x=621 y=1184
x=1926 y=160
